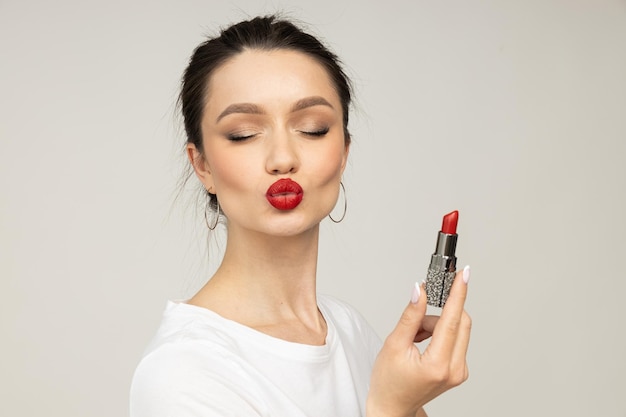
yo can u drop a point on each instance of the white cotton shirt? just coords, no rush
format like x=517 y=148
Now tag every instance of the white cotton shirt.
x=202 y=365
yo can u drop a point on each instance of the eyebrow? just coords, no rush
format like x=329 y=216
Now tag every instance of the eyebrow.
x=310 y=102
x=247 y=108
x=251 y=108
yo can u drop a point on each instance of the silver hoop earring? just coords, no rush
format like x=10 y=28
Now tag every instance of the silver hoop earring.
x=345 y=205
x=217 y=213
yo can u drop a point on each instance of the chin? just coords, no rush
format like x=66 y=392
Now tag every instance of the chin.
x=290 y=226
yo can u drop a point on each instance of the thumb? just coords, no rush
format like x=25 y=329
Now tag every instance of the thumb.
x=409 y=324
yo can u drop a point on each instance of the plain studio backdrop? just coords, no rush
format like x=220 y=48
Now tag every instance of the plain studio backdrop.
x=512 y=112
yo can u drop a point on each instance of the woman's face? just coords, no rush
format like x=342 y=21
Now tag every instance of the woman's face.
x=272 y=115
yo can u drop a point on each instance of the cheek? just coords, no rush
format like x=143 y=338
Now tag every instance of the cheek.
x=226 y=168
x=329 y=164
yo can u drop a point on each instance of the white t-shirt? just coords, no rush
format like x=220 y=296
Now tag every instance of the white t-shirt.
x=201 y=364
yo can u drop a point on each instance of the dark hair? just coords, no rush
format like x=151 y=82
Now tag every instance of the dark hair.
x=264 y=33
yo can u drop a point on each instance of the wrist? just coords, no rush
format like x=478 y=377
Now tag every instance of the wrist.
x=375 y=409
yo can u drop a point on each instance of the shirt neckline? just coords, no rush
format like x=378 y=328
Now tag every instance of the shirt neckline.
x=249 y=338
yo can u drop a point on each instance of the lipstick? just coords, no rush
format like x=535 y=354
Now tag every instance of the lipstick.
x=284 y=194
x=443 y=262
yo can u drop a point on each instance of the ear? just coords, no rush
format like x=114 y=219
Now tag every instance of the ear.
x=344 y=159
x=200 y=166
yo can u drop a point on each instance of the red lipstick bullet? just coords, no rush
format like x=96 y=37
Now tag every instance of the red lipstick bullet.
x=443 y=262
x=450 y=221
x=284 y=194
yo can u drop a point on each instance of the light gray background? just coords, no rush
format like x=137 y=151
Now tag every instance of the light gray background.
x=512 y=112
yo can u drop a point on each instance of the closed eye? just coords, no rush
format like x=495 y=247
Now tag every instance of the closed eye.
x=240 y=137
x=315 y=133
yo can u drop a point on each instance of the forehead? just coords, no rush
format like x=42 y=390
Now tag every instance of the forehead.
x=268 y=78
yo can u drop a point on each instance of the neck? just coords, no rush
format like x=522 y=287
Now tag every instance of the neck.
x=275 y=267
x=267 y=281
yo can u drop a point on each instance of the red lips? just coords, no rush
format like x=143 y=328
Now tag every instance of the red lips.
x=284 y=194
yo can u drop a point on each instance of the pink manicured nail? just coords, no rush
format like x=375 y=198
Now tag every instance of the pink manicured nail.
x=466 y=274
x=415 y=295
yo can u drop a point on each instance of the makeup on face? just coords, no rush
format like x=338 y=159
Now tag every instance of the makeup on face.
x=284 y=194
x=442 y=266
x=273 y=126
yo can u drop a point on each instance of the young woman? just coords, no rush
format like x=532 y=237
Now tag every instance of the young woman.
x=266 y=109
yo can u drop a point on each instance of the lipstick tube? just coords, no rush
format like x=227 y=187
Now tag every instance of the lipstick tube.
x=442 y=266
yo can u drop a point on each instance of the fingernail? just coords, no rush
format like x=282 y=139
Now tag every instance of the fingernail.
x=466 y=274
x=415 y=295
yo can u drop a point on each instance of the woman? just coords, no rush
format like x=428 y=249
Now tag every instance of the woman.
x=266 y=108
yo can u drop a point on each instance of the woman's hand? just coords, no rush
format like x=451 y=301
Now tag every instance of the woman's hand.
x=403 y=378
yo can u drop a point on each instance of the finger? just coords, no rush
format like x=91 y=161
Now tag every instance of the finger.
x=426 y=330
x=447 y=329
x=411 y=320
x=455 y=304
x=429 y=322
x=459 y=356
x=421 y=336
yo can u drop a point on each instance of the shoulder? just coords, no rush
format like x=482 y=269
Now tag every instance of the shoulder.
x=341 y=311
x=190 y=369
x=189 y=335
x=169 y=382
x=348 y=321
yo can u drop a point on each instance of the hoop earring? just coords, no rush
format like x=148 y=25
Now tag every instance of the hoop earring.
x=345 y=205
x=217 y=213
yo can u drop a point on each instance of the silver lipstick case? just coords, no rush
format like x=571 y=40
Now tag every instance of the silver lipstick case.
x=441 y=270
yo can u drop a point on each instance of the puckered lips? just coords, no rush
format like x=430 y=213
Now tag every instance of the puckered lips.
x=284 y=194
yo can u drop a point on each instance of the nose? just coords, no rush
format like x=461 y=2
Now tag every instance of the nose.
x=282 y=155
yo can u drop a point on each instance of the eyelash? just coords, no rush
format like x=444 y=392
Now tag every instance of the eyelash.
x=237 y=138
x=315 y=133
